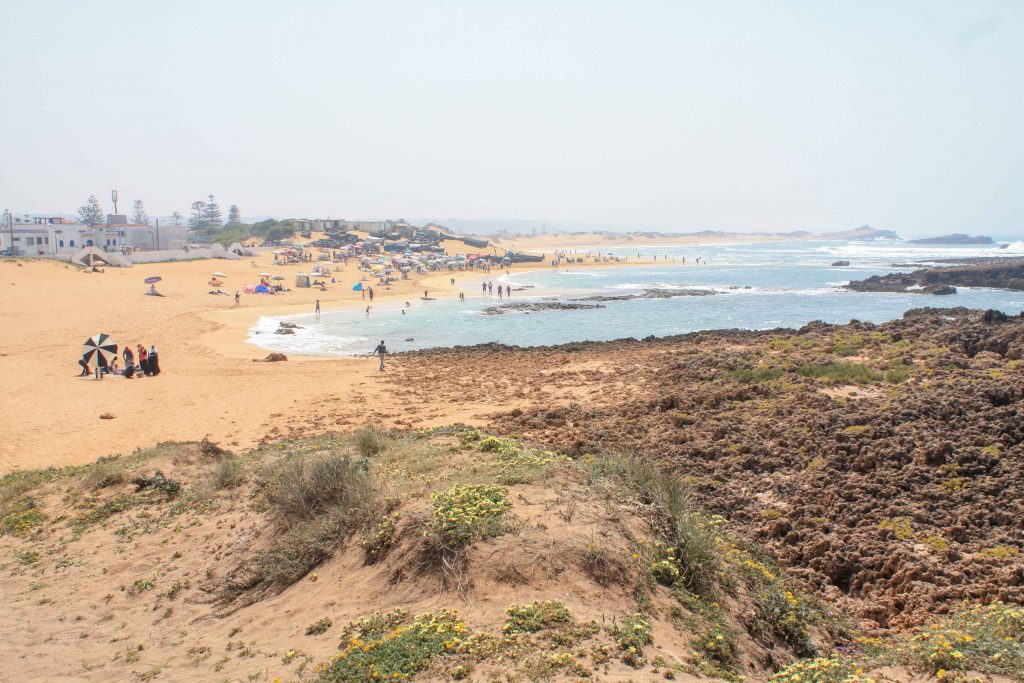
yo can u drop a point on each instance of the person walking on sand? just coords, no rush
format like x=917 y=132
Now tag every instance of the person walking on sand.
x=426 y=294
x=508 y=291
x=318 y=308
x=85 y=366
x=381 y=351
x=238 y=299
x=371 y=292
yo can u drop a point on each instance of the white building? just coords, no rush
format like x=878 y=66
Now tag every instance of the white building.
x=58 y=236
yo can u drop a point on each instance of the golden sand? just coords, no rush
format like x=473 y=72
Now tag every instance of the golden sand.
x=209 y=386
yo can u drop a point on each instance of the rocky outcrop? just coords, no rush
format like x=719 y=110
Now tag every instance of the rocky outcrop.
x=997 y=273
x=536 y=307
x=954 y=239
x=896 y=500
x=651 y=294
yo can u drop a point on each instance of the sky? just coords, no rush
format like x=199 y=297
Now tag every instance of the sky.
x=673 y=116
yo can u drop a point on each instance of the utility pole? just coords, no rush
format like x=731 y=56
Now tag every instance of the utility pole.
x=10 y=227
x=158 y=234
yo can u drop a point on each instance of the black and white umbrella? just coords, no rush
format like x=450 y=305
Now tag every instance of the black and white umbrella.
x=99 y=348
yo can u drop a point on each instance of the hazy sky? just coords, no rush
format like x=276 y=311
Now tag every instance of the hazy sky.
x=630 y=115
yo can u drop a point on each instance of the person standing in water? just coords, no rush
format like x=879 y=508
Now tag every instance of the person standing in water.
x=508 y=291
x=318 y=308
x=381 y=351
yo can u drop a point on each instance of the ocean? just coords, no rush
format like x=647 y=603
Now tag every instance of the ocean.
x=757 y=286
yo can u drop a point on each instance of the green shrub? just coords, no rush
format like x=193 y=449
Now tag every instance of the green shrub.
x=833 y=669
x=318 y=627
x=632 y=637
x=316 y=502
x=227 y=473
x=302 y=488
x=841 y=372
x=466 y=513
x=754 y=375
x=400 y=653
x=986 y=638
x=679 y=525
x=376 y=543
x=898 y=374
x=371 y=440
x=537 y=617
x=106 y=472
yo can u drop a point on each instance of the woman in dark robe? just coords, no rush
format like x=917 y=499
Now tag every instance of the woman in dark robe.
x=154 y=360
x=143 y=359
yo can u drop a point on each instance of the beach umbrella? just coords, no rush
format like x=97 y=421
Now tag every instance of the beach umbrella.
x=219 y=274
x=277 y=277
x=153 y=280
x=264 y=274
x=99 y=348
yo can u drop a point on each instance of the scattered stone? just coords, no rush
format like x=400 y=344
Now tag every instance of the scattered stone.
x=271 y=358
x=106 y=416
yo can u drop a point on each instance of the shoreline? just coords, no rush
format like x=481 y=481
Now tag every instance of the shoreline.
x=209 y=387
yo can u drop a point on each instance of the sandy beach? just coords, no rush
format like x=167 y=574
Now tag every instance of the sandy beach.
x=210 y=386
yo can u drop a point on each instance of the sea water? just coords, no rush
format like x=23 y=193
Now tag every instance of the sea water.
x=757 y=286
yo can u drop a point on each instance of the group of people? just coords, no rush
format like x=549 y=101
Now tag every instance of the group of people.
x=488 y=288
x=141 y=362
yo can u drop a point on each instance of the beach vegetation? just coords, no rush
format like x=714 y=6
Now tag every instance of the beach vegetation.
x=228 y=473
x=841 y=372
x=897 y=374
x=761 y=373
x=1001 y=552
x=371 y=440
x=901 y=527
x=399 y=653
x=675 y=518
x=104 y=473
x=831 y=669
x=631 y=636
x=376 y=541
x=988 y=639
x=466 y=513
x=936 y=543
x=538 y=616
x=318 y=627
x=316 y=502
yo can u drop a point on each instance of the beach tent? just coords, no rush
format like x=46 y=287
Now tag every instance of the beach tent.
x=357 y=287
x=302 y=280
x=262 y=289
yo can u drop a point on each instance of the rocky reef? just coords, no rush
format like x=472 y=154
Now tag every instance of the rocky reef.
x=997 y=273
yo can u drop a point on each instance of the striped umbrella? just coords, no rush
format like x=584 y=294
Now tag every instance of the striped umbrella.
x=99 y=348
